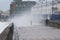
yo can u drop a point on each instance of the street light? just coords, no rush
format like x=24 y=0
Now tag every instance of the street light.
x=52 y=6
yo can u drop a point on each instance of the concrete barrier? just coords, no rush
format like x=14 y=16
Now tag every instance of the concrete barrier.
x=7 y=34
x=53 y=23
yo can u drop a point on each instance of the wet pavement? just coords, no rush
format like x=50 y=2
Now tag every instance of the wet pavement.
x=37 y=32
x=31 y=27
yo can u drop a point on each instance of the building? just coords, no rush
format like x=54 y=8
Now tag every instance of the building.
x=56 y=11
x=57 y=8
x=12 y=7
x=42 y=7
x=4 y=15
x=21 y=6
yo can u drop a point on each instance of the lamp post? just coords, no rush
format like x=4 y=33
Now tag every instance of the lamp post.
x=52 y=6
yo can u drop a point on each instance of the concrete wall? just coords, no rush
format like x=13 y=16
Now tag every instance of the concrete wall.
x=7 y=34
x=51 y=23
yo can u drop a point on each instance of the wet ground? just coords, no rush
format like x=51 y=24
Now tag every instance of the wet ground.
x=31 y=27
x=37 y=32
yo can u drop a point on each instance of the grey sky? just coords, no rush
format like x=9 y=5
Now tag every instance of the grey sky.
x=4 y=4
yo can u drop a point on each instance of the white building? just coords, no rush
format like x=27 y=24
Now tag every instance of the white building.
x=6 y=13
x=42 y=10
x=42 y=7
